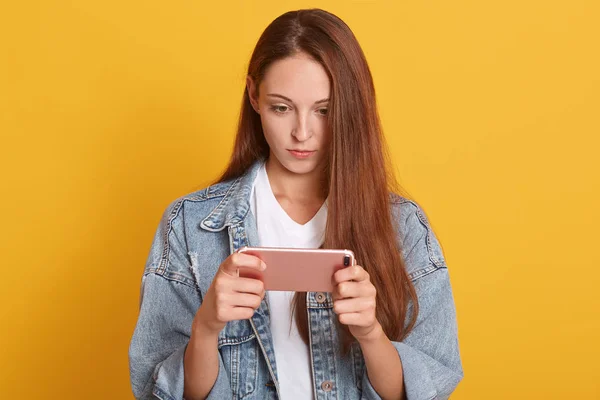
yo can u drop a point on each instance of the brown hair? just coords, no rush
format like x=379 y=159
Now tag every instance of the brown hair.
x=358 y=178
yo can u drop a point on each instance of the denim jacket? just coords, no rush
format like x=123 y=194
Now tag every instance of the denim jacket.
x=198 y=231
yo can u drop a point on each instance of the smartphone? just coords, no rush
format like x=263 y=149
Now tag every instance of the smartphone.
x=298 y=270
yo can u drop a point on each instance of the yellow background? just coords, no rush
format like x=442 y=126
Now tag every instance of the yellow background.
x=110 y=110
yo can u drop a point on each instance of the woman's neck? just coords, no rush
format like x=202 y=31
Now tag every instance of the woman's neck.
x=300 y=188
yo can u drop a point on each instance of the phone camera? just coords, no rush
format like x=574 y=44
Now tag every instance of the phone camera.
x=346 y=260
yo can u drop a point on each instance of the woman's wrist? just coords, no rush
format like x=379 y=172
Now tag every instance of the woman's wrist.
x=374 y=336
x=203 y=331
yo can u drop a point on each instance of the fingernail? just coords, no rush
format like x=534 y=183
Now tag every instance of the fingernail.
x=263 y=265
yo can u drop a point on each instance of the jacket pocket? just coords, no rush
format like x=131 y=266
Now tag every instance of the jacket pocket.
x=239 y=348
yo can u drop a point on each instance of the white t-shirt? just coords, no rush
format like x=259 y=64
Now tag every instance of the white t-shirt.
x=277 y=229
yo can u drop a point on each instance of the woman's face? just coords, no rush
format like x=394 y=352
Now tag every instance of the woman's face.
x=292 y=102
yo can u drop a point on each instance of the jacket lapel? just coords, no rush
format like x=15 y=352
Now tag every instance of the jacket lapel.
x=233 y=213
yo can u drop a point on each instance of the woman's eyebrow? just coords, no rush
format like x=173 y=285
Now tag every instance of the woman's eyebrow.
x=290 y=100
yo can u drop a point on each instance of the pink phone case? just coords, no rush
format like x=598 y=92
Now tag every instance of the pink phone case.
x=299 y=270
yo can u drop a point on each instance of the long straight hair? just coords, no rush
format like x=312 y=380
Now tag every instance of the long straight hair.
x=357 y=178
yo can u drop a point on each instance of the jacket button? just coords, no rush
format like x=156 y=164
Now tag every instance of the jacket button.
x=327 y=386
x=320 y=298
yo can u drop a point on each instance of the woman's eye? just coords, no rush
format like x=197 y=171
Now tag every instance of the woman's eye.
x=322 y=111
x=280 y=109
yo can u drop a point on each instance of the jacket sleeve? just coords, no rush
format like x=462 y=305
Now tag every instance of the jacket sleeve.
x=169 y=300
x=429 y=354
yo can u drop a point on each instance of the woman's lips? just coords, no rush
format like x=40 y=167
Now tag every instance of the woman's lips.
x=301 y=154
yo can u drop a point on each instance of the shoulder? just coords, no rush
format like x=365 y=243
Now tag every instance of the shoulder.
x=179 y=232
x=406 y=211
x=196 y=205
x=420 y=246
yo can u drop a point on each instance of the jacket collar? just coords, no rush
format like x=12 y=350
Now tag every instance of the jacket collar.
x=234 y=206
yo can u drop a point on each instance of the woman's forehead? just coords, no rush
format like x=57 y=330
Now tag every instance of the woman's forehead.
x=299 y=78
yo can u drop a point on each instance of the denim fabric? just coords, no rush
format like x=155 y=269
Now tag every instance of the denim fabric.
x=198 y=231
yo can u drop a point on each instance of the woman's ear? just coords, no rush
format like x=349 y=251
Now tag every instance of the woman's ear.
x=252 y=93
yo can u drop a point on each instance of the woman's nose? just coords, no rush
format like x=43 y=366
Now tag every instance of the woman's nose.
x=302 y=130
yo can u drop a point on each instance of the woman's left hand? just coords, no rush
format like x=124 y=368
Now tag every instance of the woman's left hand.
x=354 y=302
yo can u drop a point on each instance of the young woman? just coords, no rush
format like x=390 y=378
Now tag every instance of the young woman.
x=308 y=170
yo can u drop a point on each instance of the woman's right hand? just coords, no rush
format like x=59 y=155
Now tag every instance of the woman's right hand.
x=230 y=297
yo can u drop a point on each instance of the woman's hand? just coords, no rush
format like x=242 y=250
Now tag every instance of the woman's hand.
x=229 y=296
x=354 y=302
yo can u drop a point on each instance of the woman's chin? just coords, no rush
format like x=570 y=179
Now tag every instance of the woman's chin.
x=295 y=165
x=300 y=167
